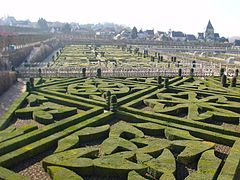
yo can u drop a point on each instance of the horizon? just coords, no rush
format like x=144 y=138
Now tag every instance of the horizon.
x=187 y=16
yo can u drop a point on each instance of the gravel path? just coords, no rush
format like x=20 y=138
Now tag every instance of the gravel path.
x=32 y=168
x=7 y=98
x=21 y=122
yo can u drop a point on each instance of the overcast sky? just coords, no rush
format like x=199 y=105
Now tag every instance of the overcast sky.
x=189 y=16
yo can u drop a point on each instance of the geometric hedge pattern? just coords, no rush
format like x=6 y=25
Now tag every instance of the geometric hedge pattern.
x=187 y=129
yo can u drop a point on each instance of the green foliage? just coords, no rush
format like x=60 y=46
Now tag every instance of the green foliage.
x=57 y=173
x=224 y=80
x=208 y=166
x=165 y=163
x=9 y=175
x=42 y=23
x=134 y=33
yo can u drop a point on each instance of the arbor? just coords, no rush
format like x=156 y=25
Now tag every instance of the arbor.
x=42 y=23
x=134 y=33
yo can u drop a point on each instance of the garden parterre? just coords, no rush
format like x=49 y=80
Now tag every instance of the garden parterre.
x=123 y=128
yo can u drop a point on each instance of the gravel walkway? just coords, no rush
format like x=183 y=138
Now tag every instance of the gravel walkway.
x=32 y=168
x=7 y=98
x=21 y=122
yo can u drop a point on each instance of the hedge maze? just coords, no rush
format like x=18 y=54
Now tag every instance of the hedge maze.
x=123 y=128
x=128 y=128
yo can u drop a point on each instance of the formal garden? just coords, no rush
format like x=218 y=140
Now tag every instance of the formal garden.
x=179 y=127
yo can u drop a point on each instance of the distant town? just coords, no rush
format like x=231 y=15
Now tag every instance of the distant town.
x=112 y=31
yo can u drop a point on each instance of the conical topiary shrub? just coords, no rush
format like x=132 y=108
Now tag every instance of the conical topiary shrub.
x=224 y=80
x=234 y=81
x=113 y=103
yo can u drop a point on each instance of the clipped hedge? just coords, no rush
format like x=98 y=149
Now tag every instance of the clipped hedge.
x=27 y=113
x=89 y=134
x=9 y=175
x=46 y=131
x=165 y=163
x=196 y=132
x=37 y=142
x=117 y=165
x=169 y=120
x=133 y=175
x=57 y=173
x=190 y=150
x=231 y=166
x=208 y=166
x=151 y=129
x=7 y=117
x=125 y=130
x=64 y=112
x=43 y=117
x=115 y=144
x=10 y=133
x=177 y=134
x=34 y=100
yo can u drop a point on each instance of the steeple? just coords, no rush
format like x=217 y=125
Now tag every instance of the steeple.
x=209 y=26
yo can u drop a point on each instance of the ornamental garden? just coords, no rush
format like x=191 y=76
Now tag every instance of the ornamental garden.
x=124 y=127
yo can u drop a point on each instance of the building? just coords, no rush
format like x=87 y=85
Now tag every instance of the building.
x=209 y=33
x=237 y=43
x=177 y=36
x=190 y=37
x=201 y=37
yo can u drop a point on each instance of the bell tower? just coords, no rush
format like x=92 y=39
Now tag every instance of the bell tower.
x=209 y=33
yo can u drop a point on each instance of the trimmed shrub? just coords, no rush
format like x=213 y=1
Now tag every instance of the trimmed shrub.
x=154 y=148
x=125 y=130
x=167 y=176
x=99 y=73
x=208 y=166
x=10 y=175
x=236 y=72
x=165 y=163
x=224 y=80
x=43 y=117
x=159 y=80
x=230 y=168
x=133 y=175
x=89 y=134
x=57 y=173
x=191 y=150
x=67 y=143
x=222 y=72
x=180 y=72
x=10 y=134
x=84 y=72
x=7 y=117
x=177 y=134
x=234 y=81
x=150 y=129
x=143 y=158
x=166 y=82
x=117 y=165
x=191 y=72
x=115 y=144
x=64 y=112
x=27 y=113
x=113 y=103
x=35 y=100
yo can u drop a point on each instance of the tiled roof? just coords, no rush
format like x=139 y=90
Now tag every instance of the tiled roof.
x=177 y=34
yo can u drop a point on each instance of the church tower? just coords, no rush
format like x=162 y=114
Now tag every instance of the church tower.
x=209 y=33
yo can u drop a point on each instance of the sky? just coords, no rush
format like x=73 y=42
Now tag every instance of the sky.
x=189 y=16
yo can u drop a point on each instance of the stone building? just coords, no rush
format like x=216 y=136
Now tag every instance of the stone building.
x=209 y=33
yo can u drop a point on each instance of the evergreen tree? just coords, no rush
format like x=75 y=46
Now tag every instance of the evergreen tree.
x=42 y=23
x=134 y=33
